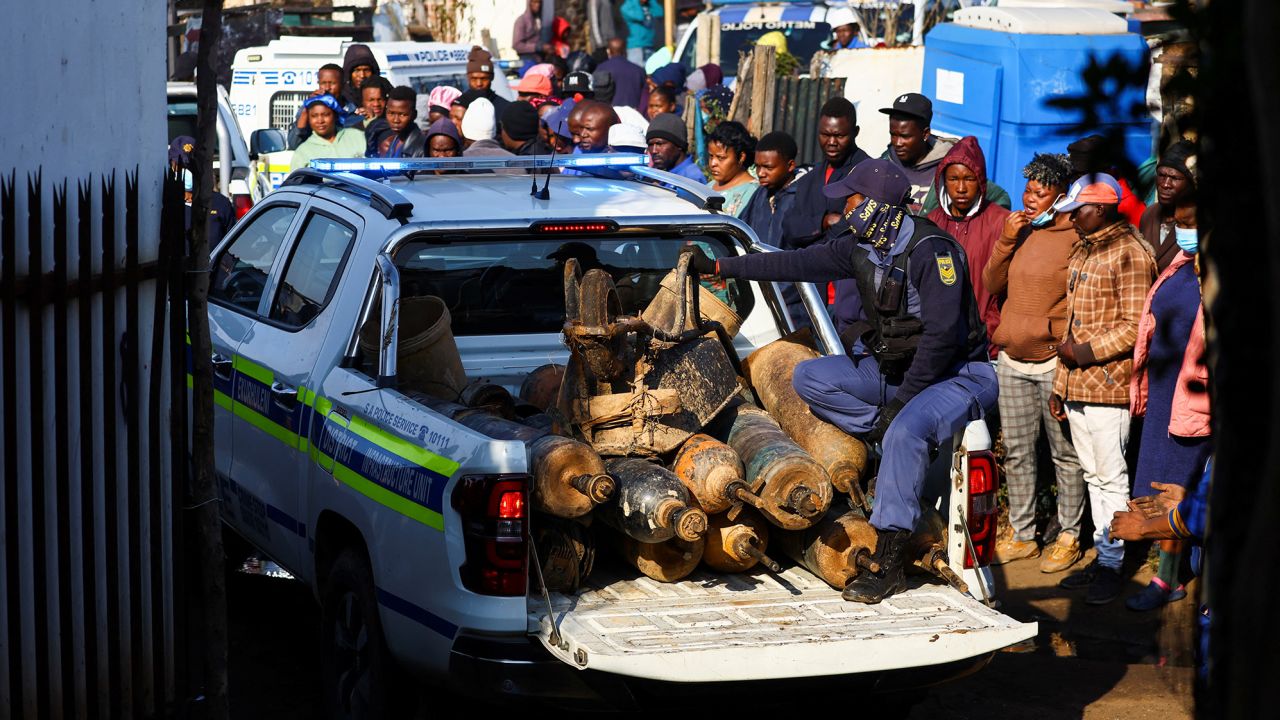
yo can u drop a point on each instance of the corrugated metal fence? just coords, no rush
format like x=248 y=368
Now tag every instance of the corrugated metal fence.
x=92 y=446
x=797 y=102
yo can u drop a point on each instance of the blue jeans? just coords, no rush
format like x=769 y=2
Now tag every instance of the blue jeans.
x=849 y=392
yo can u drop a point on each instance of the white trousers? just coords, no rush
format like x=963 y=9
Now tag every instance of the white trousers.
x=1100 y=434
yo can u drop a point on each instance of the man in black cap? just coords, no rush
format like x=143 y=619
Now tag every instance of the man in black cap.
x=1177 y=175
x=520 y=130
x=917 y=369
x=913 y=147
x=668 y=142
x=577 y=85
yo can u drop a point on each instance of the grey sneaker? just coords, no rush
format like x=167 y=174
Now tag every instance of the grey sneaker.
x=1105 y=587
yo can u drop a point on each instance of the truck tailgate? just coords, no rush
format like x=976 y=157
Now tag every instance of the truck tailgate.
x=755 y=626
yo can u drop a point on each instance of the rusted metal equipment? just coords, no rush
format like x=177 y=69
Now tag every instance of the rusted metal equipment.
x=541 y=387
x=566 y=550
x=928 y=549
x=651 y=505
x=664 y=561
x=836 y=549
x=769 y=370
x=632 y=388
x=737 y=545
x=713 y=473
x=569 y=478
x=793 y=486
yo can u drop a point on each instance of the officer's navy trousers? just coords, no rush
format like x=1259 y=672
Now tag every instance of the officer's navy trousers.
x=848 y=392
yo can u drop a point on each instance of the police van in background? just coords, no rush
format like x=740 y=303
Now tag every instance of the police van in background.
x=741 y=24
x=269 y=84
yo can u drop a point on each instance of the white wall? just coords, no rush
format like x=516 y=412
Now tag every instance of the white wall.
x=498 y=16
x=86 y=99
x=95 y=96
x=875 y=77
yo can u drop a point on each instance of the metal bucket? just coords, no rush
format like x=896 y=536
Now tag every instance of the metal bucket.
x=428 y=359
x=665 y=306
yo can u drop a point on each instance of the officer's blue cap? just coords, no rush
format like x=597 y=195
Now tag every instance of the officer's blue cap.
x=877 y=179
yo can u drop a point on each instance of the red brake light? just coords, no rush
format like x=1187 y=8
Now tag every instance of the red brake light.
x=982 y=513
x=242 y=204
x=493 y=509
x=572 y=228
x=511 y=505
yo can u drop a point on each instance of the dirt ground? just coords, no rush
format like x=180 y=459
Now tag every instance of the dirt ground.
x=1086 y=662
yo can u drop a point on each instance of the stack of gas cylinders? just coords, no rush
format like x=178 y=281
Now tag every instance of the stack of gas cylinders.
x=658 y=443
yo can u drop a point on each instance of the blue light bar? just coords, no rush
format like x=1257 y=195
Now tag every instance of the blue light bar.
x=532 y=162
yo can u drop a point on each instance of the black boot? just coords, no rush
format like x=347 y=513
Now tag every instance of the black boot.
x=891 y=552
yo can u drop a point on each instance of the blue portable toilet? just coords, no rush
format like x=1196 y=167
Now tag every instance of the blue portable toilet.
x=991 y=71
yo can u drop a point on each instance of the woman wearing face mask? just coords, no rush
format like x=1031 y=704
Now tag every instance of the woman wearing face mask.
x=1028 y=266
x=1169 y=387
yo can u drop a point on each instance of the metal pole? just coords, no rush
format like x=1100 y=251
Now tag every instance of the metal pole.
x=204 y=489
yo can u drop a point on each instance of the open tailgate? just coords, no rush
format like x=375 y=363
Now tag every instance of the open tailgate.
x=755 y=626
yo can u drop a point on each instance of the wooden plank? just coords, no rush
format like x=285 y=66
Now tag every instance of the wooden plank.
x=762 y=65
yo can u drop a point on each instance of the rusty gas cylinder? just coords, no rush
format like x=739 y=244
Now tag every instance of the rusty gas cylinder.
x=484 y=395
x=713 y=473
x=794 y=487
x=835 y=550
x=569 y=478
x=844 y=457
x=566 y=552
x=541 y=387
x=927 y=549
x=666 y=561
x=650 y=504
x=737 y=545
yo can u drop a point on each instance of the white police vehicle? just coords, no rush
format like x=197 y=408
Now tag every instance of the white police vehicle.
x=412 y=528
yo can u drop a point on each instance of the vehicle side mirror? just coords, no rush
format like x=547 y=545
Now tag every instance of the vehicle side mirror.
x=266 y=140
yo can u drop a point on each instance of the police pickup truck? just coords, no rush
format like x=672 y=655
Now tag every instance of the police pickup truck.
x=413 y=530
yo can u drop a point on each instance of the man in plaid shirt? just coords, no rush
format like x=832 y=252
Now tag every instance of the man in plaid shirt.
x=1108 y=277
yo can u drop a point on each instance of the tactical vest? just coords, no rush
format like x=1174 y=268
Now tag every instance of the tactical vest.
x=889 y=331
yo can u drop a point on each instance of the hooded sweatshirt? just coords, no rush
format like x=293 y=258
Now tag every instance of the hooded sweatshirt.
x=356 y=56
x=922 y=172
x=978 y=230
x=527 y=33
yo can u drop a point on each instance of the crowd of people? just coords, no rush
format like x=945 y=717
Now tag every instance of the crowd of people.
x=1069 y=318
x=1066 y=318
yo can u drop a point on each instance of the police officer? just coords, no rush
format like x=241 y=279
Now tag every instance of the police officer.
x=916 y=372
x=222 y=215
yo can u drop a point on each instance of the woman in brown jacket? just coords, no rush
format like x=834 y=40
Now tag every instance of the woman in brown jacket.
x=1028 y=266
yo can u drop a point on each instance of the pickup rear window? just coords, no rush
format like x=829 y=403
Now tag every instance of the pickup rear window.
x=516 y=285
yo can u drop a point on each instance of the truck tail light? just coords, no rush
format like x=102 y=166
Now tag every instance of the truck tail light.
x=242 y=204
x=495 y=531
x=982 y=514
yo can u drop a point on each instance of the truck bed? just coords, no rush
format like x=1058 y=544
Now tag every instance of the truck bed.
x=714 y=627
